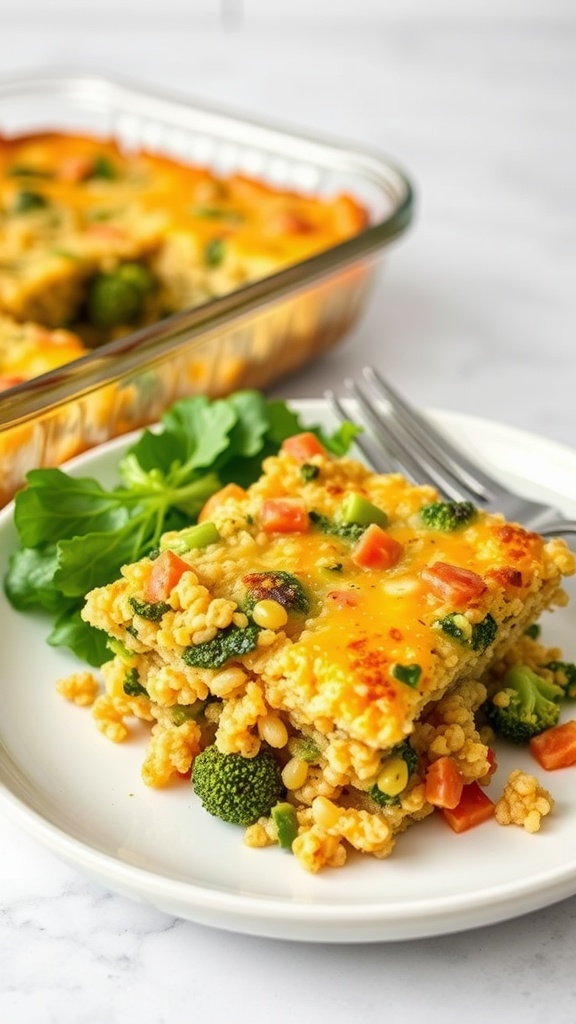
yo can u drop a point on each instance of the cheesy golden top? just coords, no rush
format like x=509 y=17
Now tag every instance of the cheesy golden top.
x=387 y=602
x=74 y=209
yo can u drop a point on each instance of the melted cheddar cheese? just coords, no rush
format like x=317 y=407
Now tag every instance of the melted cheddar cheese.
x=74 y=208
x=377 y=643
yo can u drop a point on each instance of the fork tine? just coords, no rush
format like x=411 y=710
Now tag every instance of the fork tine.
x=375 y=454
x=420 y=469
x=437 y=446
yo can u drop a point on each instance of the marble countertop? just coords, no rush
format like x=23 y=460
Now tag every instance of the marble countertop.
x=474 y=312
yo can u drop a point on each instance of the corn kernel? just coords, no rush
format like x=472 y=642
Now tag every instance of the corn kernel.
x=294 y=773
x=269 y=614
x=227 y=681
x=394 y=776
x=325 y=812
x=272 y=730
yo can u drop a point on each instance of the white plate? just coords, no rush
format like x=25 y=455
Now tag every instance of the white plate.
x=82 y=797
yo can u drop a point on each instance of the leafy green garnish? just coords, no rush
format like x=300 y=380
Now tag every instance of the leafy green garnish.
x=75 y=534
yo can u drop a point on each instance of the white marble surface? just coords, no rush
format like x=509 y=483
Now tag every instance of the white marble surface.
x=475 y=312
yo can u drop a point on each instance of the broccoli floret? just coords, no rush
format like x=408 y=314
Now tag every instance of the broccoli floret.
x=477 y=635
x=237 y=789
x=131 y=686
x=564 y=676
x=27 y=201
x=447 y=516
x=275 y=585
x=228 y=643
x=152 y=611
x=102 y=167
x=348 y=531
x=525 y=706
x=118 y=297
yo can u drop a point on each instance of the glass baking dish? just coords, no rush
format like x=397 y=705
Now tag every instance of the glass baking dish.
x=247 y=338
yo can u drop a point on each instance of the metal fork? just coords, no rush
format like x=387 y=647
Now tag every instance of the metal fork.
x=402 y=438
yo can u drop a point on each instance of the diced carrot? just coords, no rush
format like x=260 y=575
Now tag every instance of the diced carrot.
x=290 y=222
x=218 y=498
x=303 y=446
x=444 y=783
x=473 y=808
x=284 y=515
x=7 y=381
x=166 y=571
x=556 y=747
x=376 y=549
x=452 y=583
x=75 y=168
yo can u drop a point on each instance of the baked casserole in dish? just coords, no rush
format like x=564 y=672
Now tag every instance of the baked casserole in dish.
x=152 y=248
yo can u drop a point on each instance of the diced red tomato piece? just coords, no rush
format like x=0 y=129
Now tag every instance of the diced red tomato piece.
x=215 y=500
x=444 y=783
x=303 y=446
x=343 y=598
x=284 y=515
x=491 y=758
x=166 y=571
x=474 y=807
x=556 y=747
x=454 y=584
x=376 y=549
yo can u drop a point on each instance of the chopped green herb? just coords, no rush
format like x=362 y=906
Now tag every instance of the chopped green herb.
x=309 y=472
x=478 y=635
x=217 y=213
x=28 y=201
x=409 y=674
x=102 y=167
x=214 y=252
x=26 y=171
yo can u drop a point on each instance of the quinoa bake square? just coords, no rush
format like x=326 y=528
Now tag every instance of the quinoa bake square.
x=341 y=622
